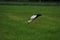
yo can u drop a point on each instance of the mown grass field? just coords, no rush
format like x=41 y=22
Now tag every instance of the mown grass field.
x=13 y=23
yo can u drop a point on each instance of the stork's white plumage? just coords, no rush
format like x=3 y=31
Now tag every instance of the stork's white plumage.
x=32 y=18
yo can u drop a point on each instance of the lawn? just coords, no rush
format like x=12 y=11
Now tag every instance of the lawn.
x=13 y=23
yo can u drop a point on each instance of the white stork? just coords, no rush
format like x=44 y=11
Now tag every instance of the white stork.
x=33 y=17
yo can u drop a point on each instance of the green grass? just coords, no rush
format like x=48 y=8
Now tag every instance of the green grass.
x=13 y=23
